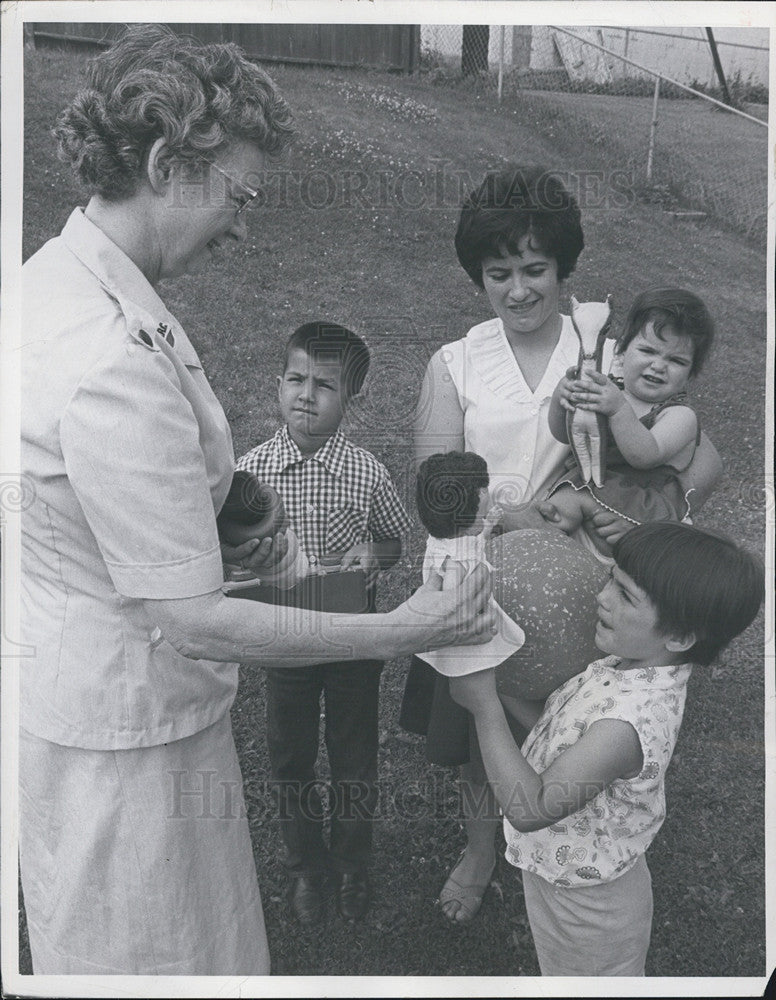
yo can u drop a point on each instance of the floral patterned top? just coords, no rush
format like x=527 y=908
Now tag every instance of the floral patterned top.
x=606 y=837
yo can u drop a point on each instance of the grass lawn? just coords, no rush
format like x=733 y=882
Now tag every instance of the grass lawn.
x=377 y=255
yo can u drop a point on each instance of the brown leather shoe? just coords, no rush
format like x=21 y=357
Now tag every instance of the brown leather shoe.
x=306 y=899
x=353 y=895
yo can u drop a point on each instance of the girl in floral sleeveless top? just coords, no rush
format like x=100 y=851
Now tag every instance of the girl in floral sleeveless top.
x=584 y=797
x=653 y=430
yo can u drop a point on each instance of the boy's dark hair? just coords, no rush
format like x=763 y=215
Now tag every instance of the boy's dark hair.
x=676 y=308
x=329 y=342
x=698 y=582
x=447 y=491
x=513 y=203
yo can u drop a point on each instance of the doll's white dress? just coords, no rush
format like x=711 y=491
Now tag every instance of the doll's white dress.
x=454 y=661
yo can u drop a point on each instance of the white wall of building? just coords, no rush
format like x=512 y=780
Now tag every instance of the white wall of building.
x=688 y=57
x=681 y=53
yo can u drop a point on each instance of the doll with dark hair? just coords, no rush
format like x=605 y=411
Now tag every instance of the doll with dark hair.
x=254 y=510
x=455 y=508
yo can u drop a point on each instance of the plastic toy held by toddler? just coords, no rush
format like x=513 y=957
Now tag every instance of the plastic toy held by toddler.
x=254 y=510
x=587 y=430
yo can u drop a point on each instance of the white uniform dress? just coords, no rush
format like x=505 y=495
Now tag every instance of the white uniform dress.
x=135 y=850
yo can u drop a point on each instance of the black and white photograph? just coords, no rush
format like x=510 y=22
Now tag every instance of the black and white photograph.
x=387 y=508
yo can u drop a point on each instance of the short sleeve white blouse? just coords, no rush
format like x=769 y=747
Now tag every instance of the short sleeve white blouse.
x=504 y=421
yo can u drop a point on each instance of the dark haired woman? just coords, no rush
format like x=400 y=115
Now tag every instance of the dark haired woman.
x=519 y=236
x=135 y=850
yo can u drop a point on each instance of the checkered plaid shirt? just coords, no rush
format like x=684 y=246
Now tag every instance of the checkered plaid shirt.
x=338 y=497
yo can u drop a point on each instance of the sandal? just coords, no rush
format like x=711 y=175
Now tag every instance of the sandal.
x=469 y=897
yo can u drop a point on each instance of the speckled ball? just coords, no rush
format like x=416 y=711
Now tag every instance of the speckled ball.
x=547 y=582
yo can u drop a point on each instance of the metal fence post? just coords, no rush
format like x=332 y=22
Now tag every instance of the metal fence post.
x=718 y=66
x=502 y=31
x=653 y=129
x=474 y=49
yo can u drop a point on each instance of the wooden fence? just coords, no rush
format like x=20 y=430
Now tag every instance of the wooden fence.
x=393 y=47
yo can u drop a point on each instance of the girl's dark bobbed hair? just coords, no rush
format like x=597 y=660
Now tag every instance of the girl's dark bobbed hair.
x=152 y=83
x=700 y=582
x=511 y=204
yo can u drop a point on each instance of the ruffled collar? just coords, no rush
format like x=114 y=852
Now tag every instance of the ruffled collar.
x=490 y=355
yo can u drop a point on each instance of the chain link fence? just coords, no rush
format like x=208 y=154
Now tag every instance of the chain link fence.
x=683 y=110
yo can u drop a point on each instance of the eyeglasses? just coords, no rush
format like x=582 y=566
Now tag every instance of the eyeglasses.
x=246 y=199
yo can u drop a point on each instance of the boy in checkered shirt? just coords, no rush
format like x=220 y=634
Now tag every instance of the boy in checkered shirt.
x=341 y=503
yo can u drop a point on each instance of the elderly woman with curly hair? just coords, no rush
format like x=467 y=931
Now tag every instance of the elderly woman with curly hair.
x=135 y=850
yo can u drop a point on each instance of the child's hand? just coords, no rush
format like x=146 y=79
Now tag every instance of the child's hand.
x=491 y=519
x=565 y=392
x=363 y=556
x=608 y=526
x=597 y=392
x=475 y=691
